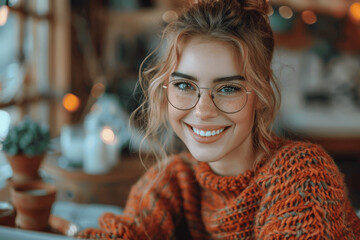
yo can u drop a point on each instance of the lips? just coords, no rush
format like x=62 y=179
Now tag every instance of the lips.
x=206 y=134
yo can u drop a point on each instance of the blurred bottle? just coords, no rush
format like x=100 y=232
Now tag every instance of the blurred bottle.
x=106 y=132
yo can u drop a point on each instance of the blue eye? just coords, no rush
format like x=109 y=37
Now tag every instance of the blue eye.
x=229 y=89
x=184 y=86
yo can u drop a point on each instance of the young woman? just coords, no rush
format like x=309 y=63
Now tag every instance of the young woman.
x=213 y=86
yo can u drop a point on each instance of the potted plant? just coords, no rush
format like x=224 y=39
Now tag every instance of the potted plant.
x=25 y=147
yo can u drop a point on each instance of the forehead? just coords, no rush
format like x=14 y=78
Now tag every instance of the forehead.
x=209 y=58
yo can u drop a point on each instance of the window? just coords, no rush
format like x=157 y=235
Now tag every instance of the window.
x=34 y=68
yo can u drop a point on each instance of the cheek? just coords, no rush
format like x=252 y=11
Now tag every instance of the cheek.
x=245 y=118
x=175 y=117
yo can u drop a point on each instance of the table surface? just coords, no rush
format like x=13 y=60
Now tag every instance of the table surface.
x=84 y=214
x=16 y=234
x=78 y=216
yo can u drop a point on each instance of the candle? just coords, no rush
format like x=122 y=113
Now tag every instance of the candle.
x=95 y=159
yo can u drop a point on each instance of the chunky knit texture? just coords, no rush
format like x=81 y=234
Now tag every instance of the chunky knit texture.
x=295 y=193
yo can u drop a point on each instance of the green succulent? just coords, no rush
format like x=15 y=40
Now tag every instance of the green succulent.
x=28 y=138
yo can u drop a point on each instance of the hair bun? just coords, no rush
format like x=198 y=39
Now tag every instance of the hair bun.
x=261 y=6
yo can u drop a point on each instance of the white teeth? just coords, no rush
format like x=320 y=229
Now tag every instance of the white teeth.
x=207 y=133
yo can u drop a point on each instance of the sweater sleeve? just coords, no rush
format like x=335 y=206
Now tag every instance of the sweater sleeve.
x=305 y=198
x=153 y=209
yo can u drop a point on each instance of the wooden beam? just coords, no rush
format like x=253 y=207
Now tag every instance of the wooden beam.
x=29 y=13
x=23 y=102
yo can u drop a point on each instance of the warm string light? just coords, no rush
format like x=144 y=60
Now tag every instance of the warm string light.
x=286 y=12
x=354 y=11
x=308 y=17
x=71 y=102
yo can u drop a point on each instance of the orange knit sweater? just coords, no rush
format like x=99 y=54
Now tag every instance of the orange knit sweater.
x=295 y=193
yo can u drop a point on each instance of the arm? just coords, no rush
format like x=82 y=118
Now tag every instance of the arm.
x=305 y=198
x=153 y=209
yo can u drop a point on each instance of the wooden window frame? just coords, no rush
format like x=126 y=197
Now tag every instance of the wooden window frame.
x=58 y=19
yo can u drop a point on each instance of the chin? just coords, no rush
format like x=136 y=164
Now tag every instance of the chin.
x=204 y=156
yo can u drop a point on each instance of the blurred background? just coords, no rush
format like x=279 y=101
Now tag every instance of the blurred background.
x=72 y=65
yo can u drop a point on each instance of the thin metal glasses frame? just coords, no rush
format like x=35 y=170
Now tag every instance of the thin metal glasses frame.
x=212 y=97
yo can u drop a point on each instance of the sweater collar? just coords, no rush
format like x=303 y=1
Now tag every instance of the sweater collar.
x=208 y=179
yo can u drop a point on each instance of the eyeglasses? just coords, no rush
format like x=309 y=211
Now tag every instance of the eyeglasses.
x=228 y=97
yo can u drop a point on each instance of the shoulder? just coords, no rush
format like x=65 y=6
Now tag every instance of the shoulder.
x=299 y=155
x=293 y=162
x=301 y=184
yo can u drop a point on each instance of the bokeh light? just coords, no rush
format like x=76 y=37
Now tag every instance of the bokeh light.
x=309 y=17
x=355 y=11
x=5 y=121
x=97 y=90
x=271 y=11
x=4 y=13
x=286 y=12
x=169 y=16
x=108 y=135
x=71 y=102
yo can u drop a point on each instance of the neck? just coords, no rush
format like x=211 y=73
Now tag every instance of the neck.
x=238 y=161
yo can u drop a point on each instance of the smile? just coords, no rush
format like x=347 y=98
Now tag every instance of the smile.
x=207 y=133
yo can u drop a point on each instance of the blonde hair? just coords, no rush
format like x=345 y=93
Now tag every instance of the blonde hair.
x=244 y=25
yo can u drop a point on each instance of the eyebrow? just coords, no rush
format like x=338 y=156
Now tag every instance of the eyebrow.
x=221 y=79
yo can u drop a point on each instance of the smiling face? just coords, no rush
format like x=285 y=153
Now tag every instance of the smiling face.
x=223 y=140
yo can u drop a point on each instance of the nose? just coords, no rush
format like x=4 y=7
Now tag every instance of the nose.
x=205 y=108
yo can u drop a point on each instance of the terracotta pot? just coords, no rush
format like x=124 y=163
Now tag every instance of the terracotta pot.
x=25 y=168
x=33 y=202
x=7 y=214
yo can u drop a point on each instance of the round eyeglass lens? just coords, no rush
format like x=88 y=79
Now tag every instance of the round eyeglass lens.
x=229 y=97
x=182 y=94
